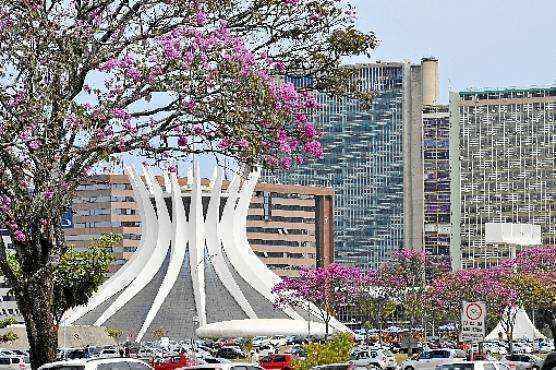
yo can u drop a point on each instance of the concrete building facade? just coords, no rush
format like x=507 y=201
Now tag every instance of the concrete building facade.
x=503 y=168
x=373 y=160
x=436 y=180
x=288 y=227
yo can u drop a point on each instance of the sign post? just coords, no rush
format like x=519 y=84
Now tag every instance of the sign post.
x=473 y=322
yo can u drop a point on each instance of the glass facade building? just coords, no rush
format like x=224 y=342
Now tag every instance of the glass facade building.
x=503 y=160
x=368 y=161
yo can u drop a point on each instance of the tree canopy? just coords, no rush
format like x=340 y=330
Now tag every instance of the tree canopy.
x=84 y=81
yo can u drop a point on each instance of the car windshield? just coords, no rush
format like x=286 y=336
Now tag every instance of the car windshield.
x=439 y=354
x=465 y=366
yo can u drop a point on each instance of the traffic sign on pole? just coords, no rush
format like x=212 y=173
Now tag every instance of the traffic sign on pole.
x=473 y=316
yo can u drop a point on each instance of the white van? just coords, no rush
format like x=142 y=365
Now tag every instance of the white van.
x=98 y=364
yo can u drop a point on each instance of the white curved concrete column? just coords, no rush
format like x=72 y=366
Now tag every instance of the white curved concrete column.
x=167 y=182
x=177 y=254
x=156 y=259
x=197 y=245
x=240 y=259
x=212 y=232
x=240 y=231
x=228 y=224
x=128 y=272
x=265 y=276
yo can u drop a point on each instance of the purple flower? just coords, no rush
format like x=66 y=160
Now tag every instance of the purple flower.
x=201 y=18
x=19 y=236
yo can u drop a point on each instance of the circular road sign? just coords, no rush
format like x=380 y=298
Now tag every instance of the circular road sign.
x=474 y=311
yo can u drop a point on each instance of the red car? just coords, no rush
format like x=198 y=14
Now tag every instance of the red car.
x=274 y=362
x=171 y=363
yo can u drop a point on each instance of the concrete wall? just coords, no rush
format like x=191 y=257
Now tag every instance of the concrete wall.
x=455 y=188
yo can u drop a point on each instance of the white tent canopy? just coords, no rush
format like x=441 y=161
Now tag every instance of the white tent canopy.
x=523 y=328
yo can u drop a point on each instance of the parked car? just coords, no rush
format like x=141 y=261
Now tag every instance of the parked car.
x=71 y=353
x=170 y=362
x=495 y=348
x=266 y=350
x=260 y=341
x=108 y=353
x=549 y=362
x=230 y=353
x=213 y=360
x=521 y=347
x=98 y=363
x=474 y=365
x=13 y=363
x=524 y=362
x=429 y=360
x=229 y=366
x=374 y=358
x=294 y=339
x=281 y=362
x=298 y=351
x=278 y=341
x=338 y=366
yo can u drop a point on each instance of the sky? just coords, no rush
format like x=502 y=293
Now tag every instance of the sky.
x=479 y=43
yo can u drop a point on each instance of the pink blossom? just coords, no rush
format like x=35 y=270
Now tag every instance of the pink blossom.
x=48 y=194
x=19 y=236
x=201 y=18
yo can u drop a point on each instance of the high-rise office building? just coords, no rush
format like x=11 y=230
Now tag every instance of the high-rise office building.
x=503 y=163
x=436 y=179
x=373 y=160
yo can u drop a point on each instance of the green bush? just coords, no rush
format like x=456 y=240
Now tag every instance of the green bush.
x=335 y=350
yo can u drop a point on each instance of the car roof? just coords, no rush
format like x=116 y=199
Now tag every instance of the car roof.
x=83 y=361
x=215 y=366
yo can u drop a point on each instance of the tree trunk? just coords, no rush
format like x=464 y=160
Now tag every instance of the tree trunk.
x=35 y=302
x=550 y=319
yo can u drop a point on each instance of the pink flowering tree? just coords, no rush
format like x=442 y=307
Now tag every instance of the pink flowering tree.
x=406 y=280
x=491 y=286
x=84 y=81
x=373 y=301
x=328 y=288
x=533 y=276
x=528 y=281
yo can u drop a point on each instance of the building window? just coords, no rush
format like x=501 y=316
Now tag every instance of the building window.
x=266 y=205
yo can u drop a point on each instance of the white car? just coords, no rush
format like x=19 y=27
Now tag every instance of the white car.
x=109 y=353
x=13 y=363
x=475 y=365
x=373 y=358
x=521 y=347
x=495 y=348
x=429 y=360
x=98 y=364
x=260 y=341
x=523 y=362
x=278 y=341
